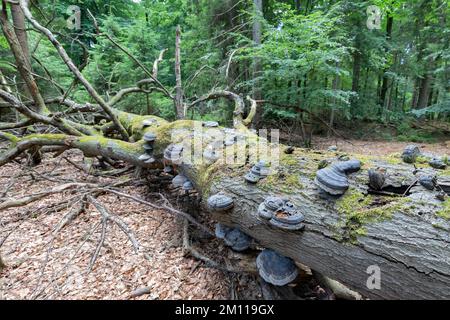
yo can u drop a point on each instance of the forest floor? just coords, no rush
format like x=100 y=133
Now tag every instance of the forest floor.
x=379 y=148
x=42 y=264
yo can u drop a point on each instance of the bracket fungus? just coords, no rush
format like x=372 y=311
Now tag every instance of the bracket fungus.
x=179 y=180
x=281 y=213
x=350 y=166
x=188 y=185
x=428 y=182
x=148 y=147
x=174 y=153
x=237 y=240
x=168 y=169
x=210 y=124
x=333 y=179
x=257 y=172
x=149 y=137
x=221 y=230
x=410 y=153
x=275 y=268
x=437 y=163
x=332 y=149
x=377 y=177
x=220 y=202
x=210 y=155
x=145 y=157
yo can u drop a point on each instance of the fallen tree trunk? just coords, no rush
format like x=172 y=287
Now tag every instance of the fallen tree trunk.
x=407 y=237
x=410 y=244
x=403 y=229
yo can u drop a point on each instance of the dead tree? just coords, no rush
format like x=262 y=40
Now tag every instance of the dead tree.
x=402 y=228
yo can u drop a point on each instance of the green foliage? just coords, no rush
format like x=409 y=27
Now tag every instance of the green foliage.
x=318 y=55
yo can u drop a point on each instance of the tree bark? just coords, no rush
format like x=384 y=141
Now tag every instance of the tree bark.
x=179 y=106
x=257 y=67
x=411 y=247
x=384 y=87
x=355 y=79
x=18 y=19
x=424 y=91
x=2 y=264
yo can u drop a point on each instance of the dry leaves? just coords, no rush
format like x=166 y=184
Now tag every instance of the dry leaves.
x=41 y=269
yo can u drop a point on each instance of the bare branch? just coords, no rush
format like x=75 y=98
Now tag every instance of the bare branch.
x=65 y=57
x=64 y=125
x=163 y=207
x=22 y=63
x=157 y=62
x=179 y=106
x=239 y=106
x=11 y=203
x=124 y=50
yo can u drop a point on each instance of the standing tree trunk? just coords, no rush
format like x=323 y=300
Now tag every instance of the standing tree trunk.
x=384 y=86
x=18 y=19
x=179 y=106
x=424 y=91
x=2 y=264
x=355 y=80
x=336 y=85
x=257 y=68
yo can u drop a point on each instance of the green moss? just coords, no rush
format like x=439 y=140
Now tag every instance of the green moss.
x=287 y=183
x=288 y=159
x=128 y=147
x=445 y=211
x=444 y=173
x=422 y=160
x=10 y=137
x=359 y=209
x=394 y=158
x=47 y=136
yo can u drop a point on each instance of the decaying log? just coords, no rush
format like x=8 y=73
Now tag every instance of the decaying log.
x=407 y=237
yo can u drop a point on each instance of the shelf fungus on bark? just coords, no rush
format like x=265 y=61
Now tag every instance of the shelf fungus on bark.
x=179 y=180
x=437 y=163
x=350 y=166
x=410 y=153
x=174 y=153
x=146 y=157
x=257 y=172
x=149 y=137
x=237 y=240
x=281 y=213
x=377 y=178
x=168 y=169
x=210 y=155
x=210 y=124
x=188 y=186
x=230 y=140
x=221 y=230
x=220 y=202
x=428 y=182
x=148 y=147
x=333 y=179
x=275 y=268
